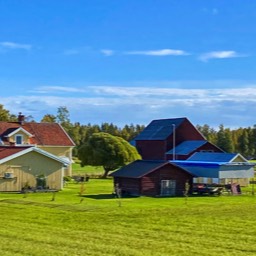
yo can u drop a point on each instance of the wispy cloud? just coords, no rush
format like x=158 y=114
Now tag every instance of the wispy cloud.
x=61 y=89
x=12 y=45
x=140 y=104
x=162 y=52
x=219 y=55
x=107 y=52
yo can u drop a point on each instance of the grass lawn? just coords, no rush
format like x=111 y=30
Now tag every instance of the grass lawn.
x=96 y=224
x=89 y=170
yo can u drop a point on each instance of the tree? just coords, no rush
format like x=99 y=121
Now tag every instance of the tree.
x=111 y=152
x=243 y=142
x=48 y=118
x=5 y=115
x=224 y=139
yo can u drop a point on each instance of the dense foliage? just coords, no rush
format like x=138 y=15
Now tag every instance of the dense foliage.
x=104 y=149
x=240 y=140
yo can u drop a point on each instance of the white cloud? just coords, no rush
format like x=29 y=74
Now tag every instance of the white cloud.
x=107 y=52
x=123 y=105
x=219 y=55
x=162 y=52
x=12 y=45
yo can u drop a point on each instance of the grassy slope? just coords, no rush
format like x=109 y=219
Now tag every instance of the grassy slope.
x=36 y=225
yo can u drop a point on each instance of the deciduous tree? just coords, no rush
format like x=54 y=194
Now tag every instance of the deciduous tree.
x=111 y=152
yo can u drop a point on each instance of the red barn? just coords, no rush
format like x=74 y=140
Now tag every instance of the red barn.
x=152 y=178
x=165 y=139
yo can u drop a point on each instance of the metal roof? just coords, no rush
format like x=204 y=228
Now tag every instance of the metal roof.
x=137 y=169
x=160 y=129
x=186 y=147
x=214 y=157
x=216 y=169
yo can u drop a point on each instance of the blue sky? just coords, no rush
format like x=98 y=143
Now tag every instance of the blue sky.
x=130 y=61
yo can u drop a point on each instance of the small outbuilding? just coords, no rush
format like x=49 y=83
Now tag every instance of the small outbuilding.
x=152 y=178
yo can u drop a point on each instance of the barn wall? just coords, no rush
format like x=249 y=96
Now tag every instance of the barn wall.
x=128 y=186
x=185 y=131
x=26 y=167
x=151 y=183
x=151 y=149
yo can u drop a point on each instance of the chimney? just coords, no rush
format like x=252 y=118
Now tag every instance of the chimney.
x=21 y=118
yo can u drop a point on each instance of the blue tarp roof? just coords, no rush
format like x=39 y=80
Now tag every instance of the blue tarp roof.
x=187 y=147
x=212 y=157
x=159 y=129
x=211 y=169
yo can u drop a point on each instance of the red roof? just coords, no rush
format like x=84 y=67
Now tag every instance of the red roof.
x=45 y=134
x=8 y=151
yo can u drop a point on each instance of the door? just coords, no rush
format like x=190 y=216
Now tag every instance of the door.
x=168 y=187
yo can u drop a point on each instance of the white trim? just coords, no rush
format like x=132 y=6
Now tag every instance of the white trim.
x=18 y=130
x=35 y=149
x=16 y=136
x=238 y=155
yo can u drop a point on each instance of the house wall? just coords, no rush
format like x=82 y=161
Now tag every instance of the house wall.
x=60 y=151
x=26 y=167
x=151 y=149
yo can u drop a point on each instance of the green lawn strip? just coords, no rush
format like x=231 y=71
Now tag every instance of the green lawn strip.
x=35 y=225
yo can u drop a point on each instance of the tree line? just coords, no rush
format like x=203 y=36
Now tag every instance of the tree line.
x=241 y=140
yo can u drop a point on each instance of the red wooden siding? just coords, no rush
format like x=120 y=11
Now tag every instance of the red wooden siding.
x=151 y=149
x=128 y=185
x=150 y=184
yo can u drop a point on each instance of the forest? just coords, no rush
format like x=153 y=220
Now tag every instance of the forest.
x=241 y=140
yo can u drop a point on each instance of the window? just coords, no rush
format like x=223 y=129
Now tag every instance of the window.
x=18 y=139
x=168 y=187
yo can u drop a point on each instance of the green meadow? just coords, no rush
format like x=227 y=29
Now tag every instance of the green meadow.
x=96 y=223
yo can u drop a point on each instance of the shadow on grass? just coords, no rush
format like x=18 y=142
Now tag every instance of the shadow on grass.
x=106 y=196
x=100 y=196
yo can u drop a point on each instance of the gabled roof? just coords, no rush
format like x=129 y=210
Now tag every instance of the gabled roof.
x=20 y=129
x=186 y=147
x=45 y=134
x=216 y=157
x=160 y=129
x=9 y=153
x=140 y=168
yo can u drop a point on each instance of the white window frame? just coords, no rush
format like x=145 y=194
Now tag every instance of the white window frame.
x=19 y=137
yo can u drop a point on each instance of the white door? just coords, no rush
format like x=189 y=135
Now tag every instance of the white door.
x=168 y=187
